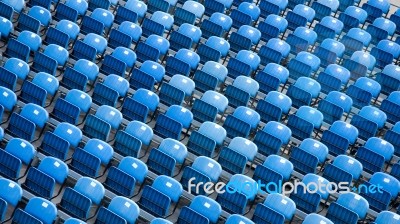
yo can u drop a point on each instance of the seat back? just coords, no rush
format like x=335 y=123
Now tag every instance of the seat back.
x=44 y=63
x=303 y=161
x=297 y=44
x=305 y=201
x=335 y=174
x=168 y=128
x=388 y=83
x=112 y=65
x=83 y=50
x=236 y=127
x=85 y=163
x=124 y=14
x=170 y=95
x=298 y=69
x=356 y=69
x=240 y=18
x=21 y=216
x=154 y=202
x=188 y=215
x=232 y=161
x=331 y=111
x=21 y=127
x=65 y=111
x=8 y=79
x=391 y=110
x=150 y=27
x=208 y=53
x=328 y=82
x=234 y=203
x=10 y=165
x=65 y=12
x=55 y=36
x=237 y=68
x=126 y=144
x=372 y=162
x=73 y=79
x=187 y=176
x=107 y=216
x=40 y=183
x=203 y=111
x=295 y=20
x=264 y=214
x=337 y=145
x=339 y=214
x=32 y=93
x=96 y=128
x=267 y=144
x=301 y=129
x=75 y=203
x=182 y=16
x=299 y=96
x=239 y=42
x=133 y=110
x=55 y=146
x=178 y=41
x=236 y=96
x=366 y=128
x=174 y=66
x=104 y=95
x=118 y=38
x=17 y=49
x=269 y=55
x=209 y=29
x=140 y=79
x=27 y=22
x=382 y=57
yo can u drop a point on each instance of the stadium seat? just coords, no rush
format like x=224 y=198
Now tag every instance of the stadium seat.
x=38 y=210
x=11 y=195
x=202 y=209
x=17 y=153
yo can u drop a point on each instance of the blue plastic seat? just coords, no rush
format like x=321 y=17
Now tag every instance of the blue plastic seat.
x=345 y=166
x=235 y=218
x=141 y=131
x=41 y=14
x=352 y=17
x=381 y=29
x=18 y=152
x=104 y=16
x=131 y=29
x=213 y=131
x=194 y=7
x=79 y=6
x=38 y=210
x=275 y=205
x=11 y=194
x=158 y=197
x=315 y=218
x=169 y=154
x=338 y=72
x=303 y=91
x=69 y=133
x=140 y=8
x=68 y=27
x=183 y=83
x=158 y=42
x=201 y=208
x=345 y=130
x=386 y=217
x=236 y=194
x=223 y=20
x=191 y=31
x=78 y=200
x=368 y=121
x=96 y=41
x=216 y=69
x=32 y=40
x=8 y=99
x=219 y=44
x=349 y=207
x=118 y=83
x=304 y=122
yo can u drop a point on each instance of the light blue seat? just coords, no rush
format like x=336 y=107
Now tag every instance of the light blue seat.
x=364 y=58
x=339 y=72
x=306 y=34
x=104 y=16
x=79 y=5
x=215 y=69
x=160 y=221
x=244 y=147
x=68 y=27
x=191 y=31
x=349 y=164
x=148 y=98
x=280 y=165
x=247 y=84
x=95 y=192
x=100 y=149
x=180 y=114
x=74 y=221
x=55 y=168
x=36 y=114
x=277 y=71
x=118 y=83
x=183 y=83
x=310 y=114
x=194 y=7
x=59 y=53
x=165 y=184
x=227 y=3
x=360 y=35
x=125 y=208
x=373 y=114
x=333 y=4
x=32 y=40
x=383 y=5
x=244 y=185
x=69 y=132
x=280 y=46
x=357 y=13
x=249 y=58
x=316 y=148
x=131 y=29
x=208 y=166
x=134 y=167
x=309 y=85
x=387 y=217
x=137 y=6
x=345 y=130
x=174 y=148
x=141 y=131
x=385 y=24
x=188 y=56
x=316 y=218
x=340 y=99
x=154 y=69
x=41 y=14
x=309 y=59
x=88 y=68
x=17 y=5
x=109 y=114
x=392 y=70
x=206 y=207
x=278 y=130
x=381 y=147
x=219 y=44
x=354 y=202
x=126 y=55
x=213 y=131
x=47 y=82
x=18 y=67
x=250 y=9
x=221 y=19
x=247 y=115
x=158 y=42
x=369 y=85
x=281 y=204
x=164 y=19
x=312 y=180
x=334 y=46
x=21 y=149
x=390 y=47
x=8 y=99
x=277 y=21
x=41 y=209
x=305 y=11
x=215 y=99
x=96 y=41
x=235 y=218
x=79 y=99
x=332 y=23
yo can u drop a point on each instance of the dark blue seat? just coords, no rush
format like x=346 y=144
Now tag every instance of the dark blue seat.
x=150 y=27
x=17 y=49
x=212 y=6
x=55 y=146
x=55 y=36
x=26 y=22
x=146 y=52
x=8 y=79
x=170 y=95
x=240 y=18
x=73 y=79
x=303 y=161
x=178 y=40
x=209 y=29
x=125 y=14
x=205 y=81
x=295 y=20
x=175 y=66
x=44 y=63
x=104 y=95
x=64 y=12
x=267 y=31
x=167 y=127
x=182 y=16
x=82 y=50
x=118 y=38
x=328 y=82
x=112 y=65
x=236 y=127
x=372 y=162
x=134 y=110
x=32 y=93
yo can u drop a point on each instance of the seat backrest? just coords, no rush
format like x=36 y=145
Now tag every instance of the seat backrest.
x=82 y=50
x=118 y=38
x=17 y=49
x=44 y=63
